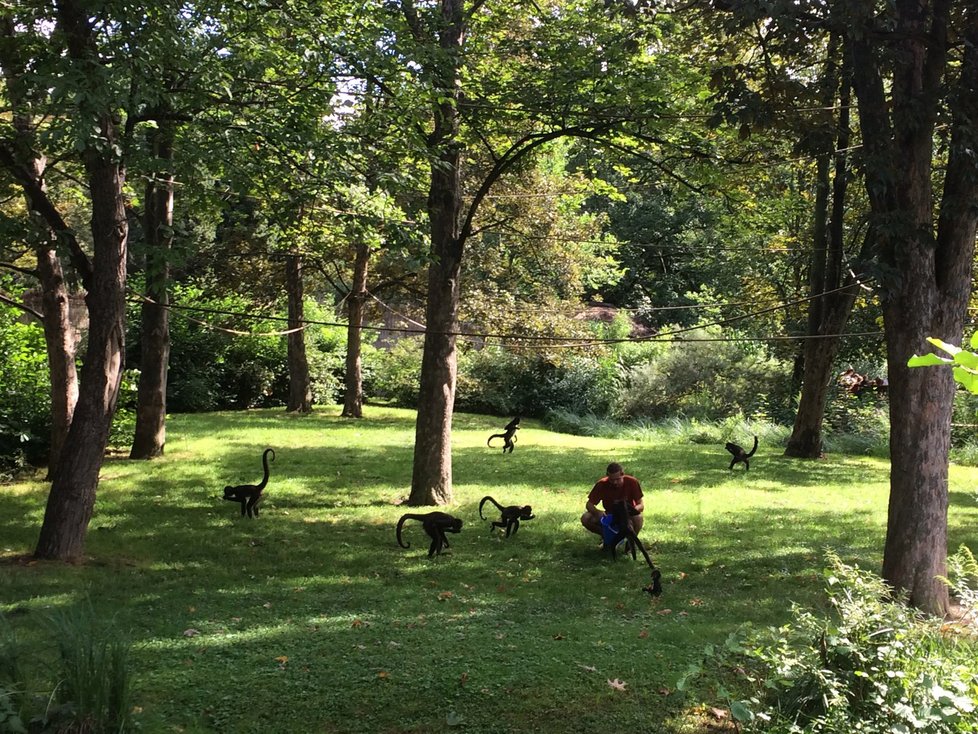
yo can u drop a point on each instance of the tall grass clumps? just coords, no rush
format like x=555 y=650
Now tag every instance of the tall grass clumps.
x=872 y=664
x=89 y=686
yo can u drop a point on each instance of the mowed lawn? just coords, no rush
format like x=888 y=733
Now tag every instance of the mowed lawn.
x=310 y=618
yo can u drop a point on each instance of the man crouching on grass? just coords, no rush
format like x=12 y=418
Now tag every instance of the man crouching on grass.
x=612 y=488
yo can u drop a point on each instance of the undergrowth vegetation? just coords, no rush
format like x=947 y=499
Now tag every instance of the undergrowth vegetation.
x=310 y=618
x=870 y=664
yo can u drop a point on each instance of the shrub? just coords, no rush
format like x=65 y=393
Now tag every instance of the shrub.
x=25 y=398
x=502 y=382
x=858 y=424
x=396 y=372
x=875 y=665
x=708 y=380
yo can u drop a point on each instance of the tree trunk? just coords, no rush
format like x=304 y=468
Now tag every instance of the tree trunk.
x=926 y=274
x=149 y=440
x=300 y=387
x=353 y=399
x=59 y=336
x=431 y=481
x=71 y=500
x=829 y=308
x=61 y=341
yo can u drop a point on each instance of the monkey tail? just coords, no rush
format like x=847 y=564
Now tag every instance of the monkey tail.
x=400 y=525
x=484 y=500
x=495 y=435
x=264 y=464
x=753 y=449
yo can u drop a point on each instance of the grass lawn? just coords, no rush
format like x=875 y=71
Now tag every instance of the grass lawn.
x=311 y=619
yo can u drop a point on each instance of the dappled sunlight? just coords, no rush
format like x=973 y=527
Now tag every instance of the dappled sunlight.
x=316 y=588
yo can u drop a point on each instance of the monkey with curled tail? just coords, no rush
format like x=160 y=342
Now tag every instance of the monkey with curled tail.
x=739 y=455
x=249 y=495
x=508 y=435
x=435 y=524
x=510 y=518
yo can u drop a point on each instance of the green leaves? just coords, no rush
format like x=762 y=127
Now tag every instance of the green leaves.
x=964 y=363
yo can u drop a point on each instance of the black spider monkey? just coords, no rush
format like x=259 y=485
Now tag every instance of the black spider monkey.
x=508 y=436
x=511 y=516
x=740 y=455
x=436 y=524
x=249 y=495
x=619 y=512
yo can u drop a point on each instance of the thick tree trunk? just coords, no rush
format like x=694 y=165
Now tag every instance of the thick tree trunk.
x=71 y=500
x=149 y=440
x=72 y=497
x=353 y=399
x=431 y=481
x=926 y=274
x=300 y=386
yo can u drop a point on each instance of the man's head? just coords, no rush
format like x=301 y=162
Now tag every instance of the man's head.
x=615 y=473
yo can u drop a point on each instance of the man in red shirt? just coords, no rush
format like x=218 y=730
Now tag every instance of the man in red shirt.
x=616 y=486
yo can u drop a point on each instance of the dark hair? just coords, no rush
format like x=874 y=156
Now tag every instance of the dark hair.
x=614 y=467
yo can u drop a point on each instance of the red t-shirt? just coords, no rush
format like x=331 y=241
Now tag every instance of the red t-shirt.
x=606 y=493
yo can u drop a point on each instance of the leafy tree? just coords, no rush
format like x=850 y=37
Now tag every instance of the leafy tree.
x=500 y=82
x=915 y=81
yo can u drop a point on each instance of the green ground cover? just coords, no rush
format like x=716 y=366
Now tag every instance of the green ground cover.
x=311 y=619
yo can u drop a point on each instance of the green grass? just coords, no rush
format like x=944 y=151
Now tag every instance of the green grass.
x=311 y=619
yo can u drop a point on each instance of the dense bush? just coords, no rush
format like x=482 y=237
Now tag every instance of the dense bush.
x=708 y=380
x=856 y=424
x=501 y=382
x=213 y=366
x=396 y=372
x=25 y=394
x=874 y=665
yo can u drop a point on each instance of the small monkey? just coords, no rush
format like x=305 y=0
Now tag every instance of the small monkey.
x=508 y=436
x=435 y=524
x=511 y=516
x=249 y=495
x=739 y=455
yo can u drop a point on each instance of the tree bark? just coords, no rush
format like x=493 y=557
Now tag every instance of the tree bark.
x=59 y=336
x=71 y=500
x=300 y=387
x=926 y=274
x=353 y=379
x=61 y=341
x=431 y=481
x=830 y=307
x=149 y=440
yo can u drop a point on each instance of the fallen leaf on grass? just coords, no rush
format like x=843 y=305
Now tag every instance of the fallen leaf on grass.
x=191 y=632
x=445 y=595
x=463 y=679
x=383 y=674
x=665 y=691
x=643 y=634
x=618 y=685
x=357 y=623
x=558 y=636
x=283 y=659
x=588 y=668
x=664 y=611
x=696 y=602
